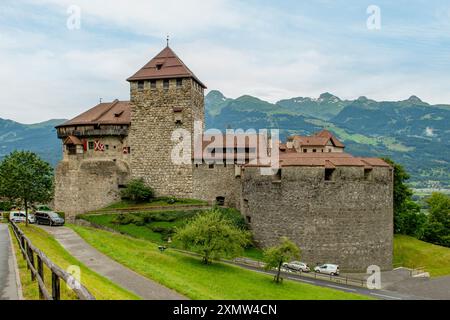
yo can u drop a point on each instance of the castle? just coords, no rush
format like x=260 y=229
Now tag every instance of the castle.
x=338 y=208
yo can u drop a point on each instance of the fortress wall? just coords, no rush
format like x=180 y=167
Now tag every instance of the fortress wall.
x=218 y=182
x=348 y=221
x=86 y=185
x=153 y=123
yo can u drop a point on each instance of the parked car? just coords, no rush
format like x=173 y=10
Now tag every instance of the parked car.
x=49 y=218
x=20 y=216
x=330 y=269
x=297 y=266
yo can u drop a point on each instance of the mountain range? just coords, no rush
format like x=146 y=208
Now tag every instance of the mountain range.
x=411 y=132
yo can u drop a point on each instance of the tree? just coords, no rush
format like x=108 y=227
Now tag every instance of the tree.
x=137 y=191
x=275 y=257
x=437 y=230
x=402 y=194
x=411 y=221
x=213 y=236
x=27 y=178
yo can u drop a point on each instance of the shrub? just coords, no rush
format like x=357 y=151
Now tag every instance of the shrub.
x=234 y=216
x=137 y=191
x=123 y=219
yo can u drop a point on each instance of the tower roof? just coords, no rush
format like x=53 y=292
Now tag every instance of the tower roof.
x=165 y=65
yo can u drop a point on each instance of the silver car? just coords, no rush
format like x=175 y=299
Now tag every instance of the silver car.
x=20 y=216
x=297 y=266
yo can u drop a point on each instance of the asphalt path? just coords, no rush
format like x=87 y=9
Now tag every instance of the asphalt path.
x=8 y=284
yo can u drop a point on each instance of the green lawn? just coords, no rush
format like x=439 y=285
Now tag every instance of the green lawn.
x=189 y=277
x=100 y=287
x=412 y=253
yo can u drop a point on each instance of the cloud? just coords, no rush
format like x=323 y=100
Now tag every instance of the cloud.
x=156 y=17
x=270 y=50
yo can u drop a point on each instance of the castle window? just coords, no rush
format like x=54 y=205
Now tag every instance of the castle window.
x=72 y=149
x=107 y=146
x=329 y=174
x=179 y=83
x=314 y=150
x=91 y=145
x=153 y=84
x=305 y=150
x=211 y=166
x=220 y=201
x=368 y=173
x=249 y=220
x=141 y=85
x=166 y=84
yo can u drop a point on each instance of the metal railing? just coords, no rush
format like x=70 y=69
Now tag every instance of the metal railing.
x=36 y=267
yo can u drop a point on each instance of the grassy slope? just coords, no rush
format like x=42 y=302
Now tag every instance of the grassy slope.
x=188 y=276
x=413 y=253
x=100 y=287
x=145 y=233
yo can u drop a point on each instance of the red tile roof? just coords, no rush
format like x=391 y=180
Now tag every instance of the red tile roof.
x=110 y=113
x=73 y=140
x=291 y=158
x=320 y=139
x=165 y=65
x=327 y=134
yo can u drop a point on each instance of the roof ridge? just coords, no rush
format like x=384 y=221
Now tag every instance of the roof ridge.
x=113 y=104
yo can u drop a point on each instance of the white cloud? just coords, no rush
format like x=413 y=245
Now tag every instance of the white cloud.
x=230 y=46
x=157 y=17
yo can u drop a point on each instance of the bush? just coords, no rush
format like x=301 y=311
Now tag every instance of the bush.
x=137 y=191
x=123 y=219
x=234 y=216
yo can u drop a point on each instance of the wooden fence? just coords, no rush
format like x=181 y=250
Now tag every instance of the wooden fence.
x=36 y=267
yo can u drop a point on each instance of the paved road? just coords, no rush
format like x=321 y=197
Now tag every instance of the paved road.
x=8 y=284
x=377 y=294
x=103 y=265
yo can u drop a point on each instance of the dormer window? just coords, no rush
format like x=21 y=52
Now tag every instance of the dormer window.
x=159 y=66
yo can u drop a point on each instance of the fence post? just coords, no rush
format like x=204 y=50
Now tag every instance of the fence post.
x=40 y=266
x=22 y=242
x=56 y=289
x=31 y=257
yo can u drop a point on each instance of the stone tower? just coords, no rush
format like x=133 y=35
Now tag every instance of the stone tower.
x=165 y=96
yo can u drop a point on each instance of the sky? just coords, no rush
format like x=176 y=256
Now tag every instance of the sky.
x=59 y=57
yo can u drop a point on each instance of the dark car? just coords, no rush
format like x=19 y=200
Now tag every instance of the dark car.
x=49 y=218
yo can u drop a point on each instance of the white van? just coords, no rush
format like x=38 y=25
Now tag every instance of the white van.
x=330 y=269
x=20 y=216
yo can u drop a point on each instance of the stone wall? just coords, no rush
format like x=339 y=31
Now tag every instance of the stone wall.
x=82 y=185
x=153 y=121
x=347 y=221
x=220 y=181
